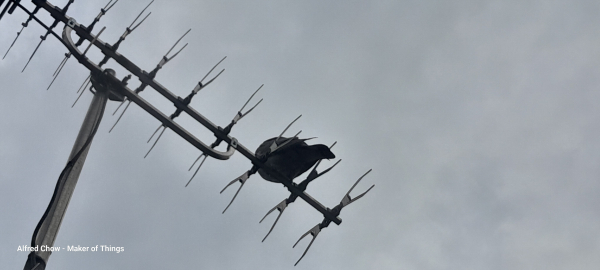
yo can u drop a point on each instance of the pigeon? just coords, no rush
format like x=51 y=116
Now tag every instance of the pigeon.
x=292 y=158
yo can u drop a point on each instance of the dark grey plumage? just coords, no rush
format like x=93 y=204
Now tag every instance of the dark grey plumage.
x=292 y=159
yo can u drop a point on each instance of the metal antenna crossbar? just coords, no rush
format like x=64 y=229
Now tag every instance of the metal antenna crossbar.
x=123 y=90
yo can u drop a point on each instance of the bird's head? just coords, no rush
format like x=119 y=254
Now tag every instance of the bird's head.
x=325 y=151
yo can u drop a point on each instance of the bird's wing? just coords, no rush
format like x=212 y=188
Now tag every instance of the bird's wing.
x=293 y=143
x=265 y=148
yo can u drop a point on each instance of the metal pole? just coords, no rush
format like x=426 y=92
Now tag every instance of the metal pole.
x=47 y=229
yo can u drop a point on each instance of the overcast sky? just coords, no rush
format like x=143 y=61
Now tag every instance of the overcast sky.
x=478 y=118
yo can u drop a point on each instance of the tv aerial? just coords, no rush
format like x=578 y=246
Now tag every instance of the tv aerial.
x=105 y=85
